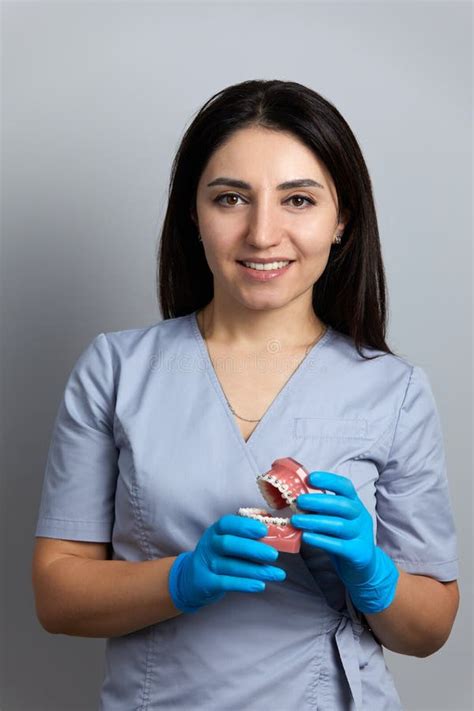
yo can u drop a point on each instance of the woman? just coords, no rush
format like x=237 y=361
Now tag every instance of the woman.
x=162 y=431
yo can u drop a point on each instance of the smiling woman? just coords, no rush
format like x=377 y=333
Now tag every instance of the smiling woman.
x=278 y=234
x=270 y=256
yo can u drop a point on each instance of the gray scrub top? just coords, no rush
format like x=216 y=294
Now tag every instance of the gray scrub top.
x=146 y=453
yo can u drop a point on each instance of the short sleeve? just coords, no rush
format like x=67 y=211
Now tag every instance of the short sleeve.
x=415 y=525
x=77 y=500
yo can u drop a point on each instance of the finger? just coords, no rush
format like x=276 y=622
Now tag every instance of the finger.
x=333 y=482
x=332 y=525
x=241 y=526
x=239 y=568
x=227 y=583
x=336 y=546
x=326 y=504
x=236 y=546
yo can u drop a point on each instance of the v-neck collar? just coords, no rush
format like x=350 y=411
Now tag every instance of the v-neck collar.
x=281 y=393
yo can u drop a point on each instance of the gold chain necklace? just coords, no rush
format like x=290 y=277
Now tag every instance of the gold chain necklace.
x=325 y=328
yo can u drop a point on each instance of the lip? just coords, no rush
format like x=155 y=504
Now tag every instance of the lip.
x=266 y=261
x=263 y=275
x=289 y=480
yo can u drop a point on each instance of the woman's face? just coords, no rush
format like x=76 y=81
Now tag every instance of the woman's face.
x=263 y=221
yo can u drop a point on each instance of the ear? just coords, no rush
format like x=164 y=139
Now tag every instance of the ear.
x=343 y=219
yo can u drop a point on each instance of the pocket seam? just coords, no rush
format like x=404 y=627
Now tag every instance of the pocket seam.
x=336 y=428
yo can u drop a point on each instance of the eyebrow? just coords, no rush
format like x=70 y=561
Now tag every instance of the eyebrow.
x=288 y=185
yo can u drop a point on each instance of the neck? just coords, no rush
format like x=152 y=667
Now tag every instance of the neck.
x=281 y=330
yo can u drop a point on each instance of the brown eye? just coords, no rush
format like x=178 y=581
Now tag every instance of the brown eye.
x=226 y=195
x=301 y=197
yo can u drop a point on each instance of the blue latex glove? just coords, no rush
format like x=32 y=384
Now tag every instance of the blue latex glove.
x=215 y=567
x=342 y=526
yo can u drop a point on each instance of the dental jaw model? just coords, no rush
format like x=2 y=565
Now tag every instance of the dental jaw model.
x=280 y=487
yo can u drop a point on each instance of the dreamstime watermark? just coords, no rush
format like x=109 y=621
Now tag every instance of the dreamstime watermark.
x=273 y=361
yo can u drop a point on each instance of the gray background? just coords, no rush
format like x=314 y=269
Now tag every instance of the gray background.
x=95 y=99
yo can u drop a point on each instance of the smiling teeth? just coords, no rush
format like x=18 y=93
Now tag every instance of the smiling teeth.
x=266 y=267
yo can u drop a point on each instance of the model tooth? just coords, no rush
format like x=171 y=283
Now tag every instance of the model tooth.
x=285 y=492
x=275 y=520
x=265 y=518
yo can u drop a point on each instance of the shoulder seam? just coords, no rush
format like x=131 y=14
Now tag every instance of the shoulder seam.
x=400 y=410
x=111 y=366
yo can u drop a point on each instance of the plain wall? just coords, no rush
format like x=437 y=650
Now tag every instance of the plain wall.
x=95 y=99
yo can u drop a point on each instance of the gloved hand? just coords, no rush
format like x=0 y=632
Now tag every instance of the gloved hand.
x=368 y=573
x=215 y=567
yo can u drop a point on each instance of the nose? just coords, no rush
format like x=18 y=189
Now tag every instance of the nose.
x=264 y=227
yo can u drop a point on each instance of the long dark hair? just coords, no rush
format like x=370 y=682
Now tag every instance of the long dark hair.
x=350 y=294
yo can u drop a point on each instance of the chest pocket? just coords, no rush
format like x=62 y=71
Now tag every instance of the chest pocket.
x=338 y=445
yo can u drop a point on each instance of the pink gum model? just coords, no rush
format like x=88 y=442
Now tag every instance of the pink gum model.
x=280 y=487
